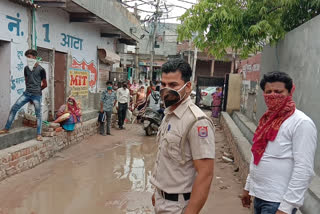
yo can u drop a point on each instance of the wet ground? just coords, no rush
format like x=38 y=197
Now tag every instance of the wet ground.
x=107 y=175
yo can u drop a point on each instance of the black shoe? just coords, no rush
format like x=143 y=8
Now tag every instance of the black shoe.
x=109 y=134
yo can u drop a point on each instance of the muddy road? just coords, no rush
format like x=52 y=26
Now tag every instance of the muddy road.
x=107 y=175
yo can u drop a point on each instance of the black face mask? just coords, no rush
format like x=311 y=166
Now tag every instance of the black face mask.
x=124 y=86
x=170 y=96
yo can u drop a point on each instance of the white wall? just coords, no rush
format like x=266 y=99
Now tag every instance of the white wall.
x=52 y=26
x=19 y=44
x=5 y=87
x=298 y=55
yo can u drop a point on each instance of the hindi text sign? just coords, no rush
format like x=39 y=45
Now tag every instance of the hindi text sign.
x=79 y=82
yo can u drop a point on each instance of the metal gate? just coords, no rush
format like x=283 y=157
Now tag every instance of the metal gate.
x=208 y=81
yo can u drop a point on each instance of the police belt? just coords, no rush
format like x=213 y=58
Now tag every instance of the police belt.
x=173 y=196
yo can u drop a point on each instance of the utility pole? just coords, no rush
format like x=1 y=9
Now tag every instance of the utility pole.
x=155 y=23
x=189 y=52
x=136 y=56
x=137 y=70
x=136 y=10
x=194 y=64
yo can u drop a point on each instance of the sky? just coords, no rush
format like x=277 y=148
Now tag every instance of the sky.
x=175 y=11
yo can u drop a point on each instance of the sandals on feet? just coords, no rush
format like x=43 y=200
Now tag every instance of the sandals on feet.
x=4 y=131
x=39 y=138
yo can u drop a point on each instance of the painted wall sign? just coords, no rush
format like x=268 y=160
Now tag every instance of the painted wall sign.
x=14 y=29
x=256 y=67
x=14 y=24
x=17 y=74
x=20 y=66
x=18 y=84
x=47 y=32
x=71 y=42
x=93 y=77
x=78 y=82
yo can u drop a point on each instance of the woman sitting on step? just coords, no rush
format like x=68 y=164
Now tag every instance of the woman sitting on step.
x=69 y=114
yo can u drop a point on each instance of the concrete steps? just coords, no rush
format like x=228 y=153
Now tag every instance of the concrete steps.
x=17 y=136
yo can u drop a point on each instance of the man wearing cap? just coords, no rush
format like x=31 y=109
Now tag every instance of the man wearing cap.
x=184 y=165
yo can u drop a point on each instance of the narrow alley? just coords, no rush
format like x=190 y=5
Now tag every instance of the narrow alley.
x=108 y=175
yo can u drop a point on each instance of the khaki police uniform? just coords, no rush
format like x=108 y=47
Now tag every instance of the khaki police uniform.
x=186 y=134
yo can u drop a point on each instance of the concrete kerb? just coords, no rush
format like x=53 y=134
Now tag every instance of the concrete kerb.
x=239 y=145
x=27 y=155
x=241 y=149
x=247 y=127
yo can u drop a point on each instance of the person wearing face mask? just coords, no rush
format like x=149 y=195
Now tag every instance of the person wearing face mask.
x=183 y=169
x=35 y=79
x=123 y=96
x=73 y=112
x=108 y=101
x=154 y=98
x=283 y=151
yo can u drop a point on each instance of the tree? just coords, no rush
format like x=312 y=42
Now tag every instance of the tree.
x=245 y=26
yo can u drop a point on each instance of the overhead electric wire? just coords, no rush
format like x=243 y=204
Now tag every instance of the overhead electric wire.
x=187 y=2
x=152 y=16
x=172 y=5
x=163 y=6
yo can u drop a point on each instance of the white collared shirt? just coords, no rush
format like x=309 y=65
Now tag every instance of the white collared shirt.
x=123 y=95
x=287 y=165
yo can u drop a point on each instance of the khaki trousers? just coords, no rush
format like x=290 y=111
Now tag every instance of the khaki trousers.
x=163 y=206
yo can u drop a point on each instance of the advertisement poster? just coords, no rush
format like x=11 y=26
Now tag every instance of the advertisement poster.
x=79 y=82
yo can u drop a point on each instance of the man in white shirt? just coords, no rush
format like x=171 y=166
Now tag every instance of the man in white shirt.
x=283 y=151
x=123 y=96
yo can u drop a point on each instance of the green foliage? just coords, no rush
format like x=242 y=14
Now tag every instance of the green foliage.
x=245 y=26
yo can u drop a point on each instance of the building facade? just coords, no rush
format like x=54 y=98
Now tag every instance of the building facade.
x=137 y=60
x=250 y=70
x=69 y=35
x=206 y=65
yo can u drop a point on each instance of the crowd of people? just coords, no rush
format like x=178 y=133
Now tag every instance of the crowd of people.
x=127 y=102
x=116 y=102
x=283 y=150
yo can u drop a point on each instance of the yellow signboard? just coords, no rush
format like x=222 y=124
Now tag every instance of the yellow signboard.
x=79 y=82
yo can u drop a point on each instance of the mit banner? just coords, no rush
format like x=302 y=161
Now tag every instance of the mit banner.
x=79 y=82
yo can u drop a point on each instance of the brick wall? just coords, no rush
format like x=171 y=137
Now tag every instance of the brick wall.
x=27 y=155
x=251 y=68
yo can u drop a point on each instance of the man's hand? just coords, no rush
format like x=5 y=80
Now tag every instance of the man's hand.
x=153 y=200
x=44 y=84
x=246 y=199
x=280 y=212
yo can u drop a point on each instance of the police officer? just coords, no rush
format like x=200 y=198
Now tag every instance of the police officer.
x=184 y=166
